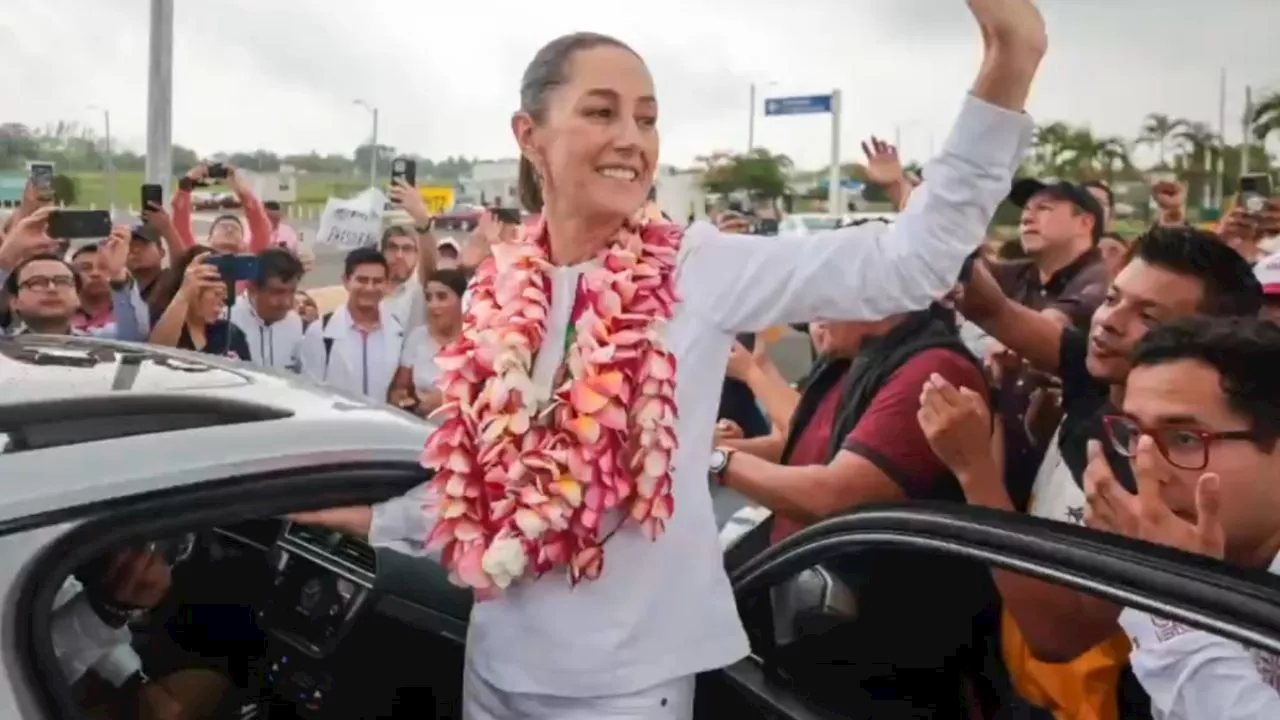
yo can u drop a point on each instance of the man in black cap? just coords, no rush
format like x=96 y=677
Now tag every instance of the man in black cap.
x=1063 y=277
x=146 y=259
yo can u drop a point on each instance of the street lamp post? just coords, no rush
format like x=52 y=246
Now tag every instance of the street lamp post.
x=373 y=143
x=110 y=165
x=160 y=95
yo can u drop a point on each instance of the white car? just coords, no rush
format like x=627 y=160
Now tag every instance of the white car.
x=114 y=452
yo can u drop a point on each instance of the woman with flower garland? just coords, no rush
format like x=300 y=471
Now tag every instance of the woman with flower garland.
x=571 y=461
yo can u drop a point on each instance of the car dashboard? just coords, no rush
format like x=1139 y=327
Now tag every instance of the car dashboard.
x=319 y=603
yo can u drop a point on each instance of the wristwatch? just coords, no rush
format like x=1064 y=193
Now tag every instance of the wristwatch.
x=424 y=228
x=720 y=463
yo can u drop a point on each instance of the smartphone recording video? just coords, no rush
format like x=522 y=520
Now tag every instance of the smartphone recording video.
x=152 y=194
x=405 y=170
x=506 y=216
x=218 y=171
x=1255 y=190
x=79 y=224
x=42 y=181
x=235 y=268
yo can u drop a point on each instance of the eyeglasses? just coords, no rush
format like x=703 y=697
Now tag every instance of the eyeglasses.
x=43 y=282
x=1183 y=447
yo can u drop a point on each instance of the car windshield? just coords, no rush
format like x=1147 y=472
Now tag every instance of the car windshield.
x=820 y=222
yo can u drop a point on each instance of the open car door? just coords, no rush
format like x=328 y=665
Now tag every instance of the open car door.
x=810 y=574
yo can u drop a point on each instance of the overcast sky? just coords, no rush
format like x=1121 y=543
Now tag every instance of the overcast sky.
x=282 y=75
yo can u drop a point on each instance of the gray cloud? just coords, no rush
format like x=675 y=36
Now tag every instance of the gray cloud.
x=282 y=74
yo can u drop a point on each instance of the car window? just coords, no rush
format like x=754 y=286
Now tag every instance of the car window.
x=215 y=616
x=913 y=633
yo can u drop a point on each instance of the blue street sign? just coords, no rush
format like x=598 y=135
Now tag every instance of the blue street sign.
x=803 y=105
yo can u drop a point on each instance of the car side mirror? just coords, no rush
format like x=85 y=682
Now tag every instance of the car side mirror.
x=812 y=603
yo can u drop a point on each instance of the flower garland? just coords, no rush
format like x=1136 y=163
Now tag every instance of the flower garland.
x=524 y=474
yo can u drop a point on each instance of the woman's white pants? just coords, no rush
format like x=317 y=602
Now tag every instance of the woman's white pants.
x=671 y=700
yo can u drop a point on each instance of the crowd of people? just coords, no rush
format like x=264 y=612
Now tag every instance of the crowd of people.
x=1074 y=374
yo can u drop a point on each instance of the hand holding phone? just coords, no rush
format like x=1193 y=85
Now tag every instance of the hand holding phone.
x=217 y=171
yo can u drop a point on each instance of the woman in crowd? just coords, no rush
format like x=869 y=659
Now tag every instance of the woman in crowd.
x=1115 y=251
x=195 y=316
x=581 y=398
x=414 y=385
x=306 y=307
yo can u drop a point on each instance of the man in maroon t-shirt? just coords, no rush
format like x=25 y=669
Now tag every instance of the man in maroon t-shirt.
x=884 y=458
x=904 y=654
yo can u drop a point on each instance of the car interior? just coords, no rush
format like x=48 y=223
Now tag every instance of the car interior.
x=300 y=622
x=303 y=622
x=289 y=615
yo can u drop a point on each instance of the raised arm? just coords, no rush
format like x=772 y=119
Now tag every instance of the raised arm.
x=180 y=206
x=868 y=272
x=255 y=215
x=1034 y=336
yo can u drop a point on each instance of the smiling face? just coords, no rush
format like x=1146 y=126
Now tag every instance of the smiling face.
x=594 y=142
x=1141 y=296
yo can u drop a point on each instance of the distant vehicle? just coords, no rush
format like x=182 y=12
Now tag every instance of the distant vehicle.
x=461 y=217
x=807 y=223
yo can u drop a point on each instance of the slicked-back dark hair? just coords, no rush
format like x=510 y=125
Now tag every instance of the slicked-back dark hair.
x=1230 y=287
x=548 y=70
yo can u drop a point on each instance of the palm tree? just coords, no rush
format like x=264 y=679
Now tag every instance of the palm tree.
x=1203 y=147
x=1049 y=144
x=1266 y=116
x=1158 y=129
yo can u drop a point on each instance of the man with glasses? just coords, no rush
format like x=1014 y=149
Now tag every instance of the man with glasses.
x=1064 y=650
x=44 y=289
x=1200 y=426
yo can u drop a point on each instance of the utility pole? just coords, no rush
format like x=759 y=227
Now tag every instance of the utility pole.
x=834 y=189
x=1221 y=169
x=1245 y=123
x=751 y=121
x=160 y=95
x=373 y=142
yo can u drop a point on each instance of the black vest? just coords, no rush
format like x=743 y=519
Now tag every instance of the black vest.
x=906 y=636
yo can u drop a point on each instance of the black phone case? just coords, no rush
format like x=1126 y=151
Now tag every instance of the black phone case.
x=151 y=194
x=409 y=175
x=79 y=224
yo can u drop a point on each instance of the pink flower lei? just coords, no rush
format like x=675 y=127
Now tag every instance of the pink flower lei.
x=524 y=475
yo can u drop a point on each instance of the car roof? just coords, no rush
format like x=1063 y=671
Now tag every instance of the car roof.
x=277 y=420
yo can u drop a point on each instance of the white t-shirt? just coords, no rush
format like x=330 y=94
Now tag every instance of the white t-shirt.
x=663 y=610
x=419 y=353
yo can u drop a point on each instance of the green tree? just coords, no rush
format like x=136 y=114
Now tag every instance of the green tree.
x=184 y=158
x=1159 y=130
x=65 y=189
x=760 y=173
x=1266 y=116
x=1200 y=148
